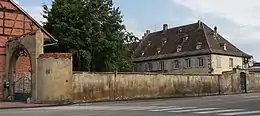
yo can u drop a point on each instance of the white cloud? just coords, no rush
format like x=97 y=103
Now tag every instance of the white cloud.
x=243 y=12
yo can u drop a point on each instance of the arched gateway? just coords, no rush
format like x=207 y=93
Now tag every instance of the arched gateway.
x=22 y=87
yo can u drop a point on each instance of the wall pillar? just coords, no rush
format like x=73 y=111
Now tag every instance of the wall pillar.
x=33 y=44
x=54 y=78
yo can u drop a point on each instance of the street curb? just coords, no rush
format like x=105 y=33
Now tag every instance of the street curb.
x=40 y=106
x=157 y=98
x=124 y=100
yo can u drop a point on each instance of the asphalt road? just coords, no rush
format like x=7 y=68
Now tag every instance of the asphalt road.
x=231 y=105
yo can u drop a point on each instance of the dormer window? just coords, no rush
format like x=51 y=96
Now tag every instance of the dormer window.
x=223 y=46
x=198 y=45
x=158 y=51
x=179 y=30
x=186 y=37
x=142 y=54
x=149 y=43
x=179 y=48
x=164 y=41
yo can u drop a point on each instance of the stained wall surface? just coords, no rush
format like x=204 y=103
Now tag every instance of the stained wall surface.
x=54 y=81
x=128 y=86
x=109 y=86
x=33 y=44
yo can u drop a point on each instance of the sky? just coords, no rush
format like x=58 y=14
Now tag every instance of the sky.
x=237 y=20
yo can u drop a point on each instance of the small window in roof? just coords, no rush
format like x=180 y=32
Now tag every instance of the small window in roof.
x=149 y=43
x=158 y=51
x=142 y=54
x=224 y=46
x=179 y=30
x=186 y=37
x=179 y=48
x=164 y=41
x=198 y=45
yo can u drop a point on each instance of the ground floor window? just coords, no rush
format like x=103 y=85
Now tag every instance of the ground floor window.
x=188 y=63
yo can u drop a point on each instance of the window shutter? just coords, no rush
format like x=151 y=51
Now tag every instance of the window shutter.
x=204 y=62
x=191 y=63
x=197 y=62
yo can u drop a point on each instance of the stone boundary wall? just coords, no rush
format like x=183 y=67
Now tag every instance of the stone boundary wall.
x=253 y=81
x=109 y=86
x=122 y=86
x=54 y=80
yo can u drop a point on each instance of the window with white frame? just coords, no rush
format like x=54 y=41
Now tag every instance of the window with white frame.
x=161 y=63
x=218 y=61
x=198 y=45
x=179 y=48
x=150 y=66
x=176 y=64
x=188 y=63
x=201 y=62
x=231 y=62
x=145 y=67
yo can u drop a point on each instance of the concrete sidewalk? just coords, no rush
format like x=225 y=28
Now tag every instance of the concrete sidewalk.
x=13 y=105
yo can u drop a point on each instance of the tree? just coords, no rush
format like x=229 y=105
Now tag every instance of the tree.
x=93 y=31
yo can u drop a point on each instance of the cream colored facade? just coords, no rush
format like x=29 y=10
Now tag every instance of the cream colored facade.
x=213 y=64
x=222 y=63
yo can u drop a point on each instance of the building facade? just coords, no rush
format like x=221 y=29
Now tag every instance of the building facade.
x=193 y=48
x=14 y=23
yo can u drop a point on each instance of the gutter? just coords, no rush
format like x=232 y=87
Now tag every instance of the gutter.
x=51 y=44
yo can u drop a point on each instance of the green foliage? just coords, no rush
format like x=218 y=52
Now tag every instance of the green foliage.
x=93 y=31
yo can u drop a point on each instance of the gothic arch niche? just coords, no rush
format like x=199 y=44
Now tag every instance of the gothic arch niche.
x=30 y=44
x=20 y=77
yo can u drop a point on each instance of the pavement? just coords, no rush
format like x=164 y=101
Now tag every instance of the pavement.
x=229 y=105
x=9 y=105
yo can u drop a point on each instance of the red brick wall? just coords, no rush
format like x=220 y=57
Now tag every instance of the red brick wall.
x=23 y=64
x=16 y=23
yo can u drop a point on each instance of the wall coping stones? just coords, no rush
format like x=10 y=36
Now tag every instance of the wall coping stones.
x=56 y=55
x=146 y=73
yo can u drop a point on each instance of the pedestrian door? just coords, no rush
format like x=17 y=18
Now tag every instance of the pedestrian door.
x=243 y=82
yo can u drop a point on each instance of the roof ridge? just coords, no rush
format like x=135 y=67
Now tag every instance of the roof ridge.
x=210 y=50
x=32 y=19
x=172 y=28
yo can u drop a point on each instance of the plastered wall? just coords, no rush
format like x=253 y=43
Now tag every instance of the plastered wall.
x=224 y=63
x=54 y=81
x=129 y=86
x=109 y=86
x=169 y=65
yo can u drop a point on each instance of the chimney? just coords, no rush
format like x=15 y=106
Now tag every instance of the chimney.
x=215 y=31
x=165 y=27
x=145 y=34
x=148 y=32
x=199 y=23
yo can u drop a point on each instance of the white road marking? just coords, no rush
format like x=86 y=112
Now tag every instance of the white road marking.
x=192 y=110
x=239 y=113
x=251 y=97
x=161 y=107
x=219 y=111
x=167 y=109
x=91 y=108
x=213 y=100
